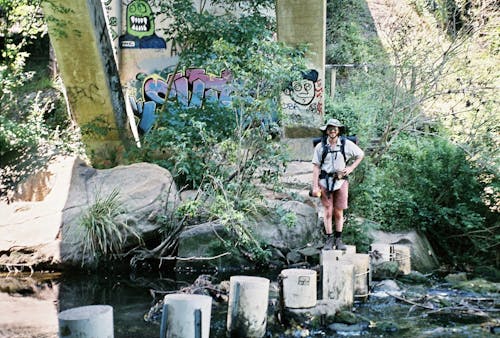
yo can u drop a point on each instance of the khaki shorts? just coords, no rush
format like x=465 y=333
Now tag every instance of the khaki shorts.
x=338 y=197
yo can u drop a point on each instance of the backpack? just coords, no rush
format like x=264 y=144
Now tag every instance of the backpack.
x=322 y=139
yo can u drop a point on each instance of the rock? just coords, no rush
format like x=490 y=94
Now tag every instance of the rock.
x=478 y=285
x=415 y=277
x=269 y=226
x=349 y=330
x=455 y=278
x=44 y=231
x=386 y=288
x=204 y=240
x=385 y=270
x=346 y=317
x=199 y=243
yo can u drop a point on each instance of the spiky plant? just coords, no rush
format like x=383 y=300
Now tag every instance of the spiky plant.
x=104 y=234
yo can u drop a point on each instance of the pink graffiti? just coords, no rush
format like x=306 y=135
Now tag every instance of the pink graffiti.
x=190 y=89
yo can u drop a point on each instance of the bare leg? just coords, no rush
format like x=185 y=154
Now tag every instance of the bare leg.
x=339 y=225
x=327 y=202
x=339 y=219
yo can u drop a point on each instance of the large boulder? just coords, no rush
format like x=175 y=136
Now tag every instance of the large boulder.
x=45 y=230
x=203 y=242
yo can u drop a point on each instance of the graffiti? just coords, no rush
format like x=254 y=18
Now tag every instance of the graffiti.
x=304 y=94
x=140 y=31
x=303 y=91
x=91 y=93
x=190 y=90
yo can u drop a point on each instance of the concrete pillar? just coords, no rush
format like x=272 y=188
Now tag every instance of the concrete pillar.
x=402 y=255
x=304 y=22
x=93 y=321
x=362 y=269
x=247 y=306
x=299 y=288
x=186 y=315
x=338 y=277
x=82 y=44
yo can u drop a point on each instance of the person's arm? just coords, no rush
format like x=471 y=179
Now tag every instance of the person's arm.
x=350 y=168
x=315 y=187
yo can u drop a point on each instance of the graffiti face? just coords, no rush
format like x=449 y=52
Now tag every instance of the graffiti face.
x=303 y=92
x=140 y=19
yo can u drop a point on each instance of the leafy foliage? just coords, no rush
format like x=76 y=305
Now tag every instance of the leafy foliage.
x=226 y=150
x=347 y=39
x=428 y=123
x=428 y=185
x=34 y=124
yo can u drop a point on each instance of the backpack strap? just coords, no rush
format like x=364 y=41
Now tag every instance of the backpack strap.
x=342 y=147
x=325 y=149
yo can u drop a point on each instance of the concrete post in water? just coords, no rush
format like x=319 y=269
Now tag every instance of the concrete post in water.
x=401 y=254
x=381 y=252
x=402 y=257
x=338 y=278
x=186 y=316
x=247 y=308
x=93 y=321
x=362 y=270
x=299 y=288
x=351 y=249
x=331 y=255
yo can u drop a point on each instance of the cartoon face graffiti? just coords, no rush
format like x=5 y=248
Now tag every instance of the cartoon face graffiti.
x=140 y=19
x=303 y=91
x=141 y=27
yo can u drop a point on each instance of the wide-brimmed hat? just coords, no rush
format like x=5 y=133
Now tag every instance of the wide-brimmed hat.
x=332 y=122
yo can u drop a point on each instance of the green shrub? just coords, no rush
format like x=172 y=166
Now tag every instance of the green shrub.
x=103 y=233
x=427 y=184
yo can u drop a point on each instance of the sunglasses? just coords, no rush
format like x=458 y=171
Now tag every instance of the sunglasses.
x=332 y=128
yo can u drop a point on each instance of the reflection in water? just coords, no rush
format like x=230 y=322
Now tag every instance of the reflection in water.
x=130 y=296
x=29 y=307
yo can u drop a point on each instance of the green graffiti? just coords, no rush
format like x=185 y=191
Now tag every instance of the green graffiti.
x=140 y=19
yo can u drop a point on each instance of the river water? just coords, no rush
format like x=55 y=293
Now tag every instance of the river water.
x=41 y=296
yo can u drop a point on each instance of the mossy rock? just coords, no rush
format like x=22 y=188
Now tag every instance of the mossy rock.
x=479 y=286
x=385 y=270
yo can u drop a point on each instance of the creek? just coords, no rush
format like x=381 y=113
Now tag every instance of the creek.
x=430 y=309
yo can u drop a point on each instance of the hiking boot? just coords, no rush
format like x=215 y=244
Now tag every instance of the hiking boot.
x=339 y=245
x=328 y=244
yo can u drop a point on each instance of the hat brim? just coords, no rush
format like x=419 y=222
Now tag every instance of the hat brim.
x=323 y=128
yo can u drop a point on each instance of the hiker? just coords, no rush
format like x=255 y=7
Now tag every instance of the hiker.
x=331 y=167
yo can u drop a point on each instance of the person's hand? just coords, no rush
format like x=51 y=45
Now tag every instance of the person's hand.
x=345 y=172
x=316 y=192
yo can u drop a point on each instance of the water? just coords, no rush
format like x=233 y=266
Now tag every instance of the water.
x=132 y=296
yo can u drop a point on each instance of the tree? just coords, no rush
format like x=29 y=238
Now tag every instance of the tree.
x=225 y=151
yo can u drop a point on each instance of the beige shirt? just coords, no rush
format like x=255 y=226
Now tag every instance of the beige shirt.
x=334 y=160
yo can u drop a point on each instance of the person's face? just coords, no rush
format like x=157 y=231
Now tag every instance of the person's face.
x=332 y=131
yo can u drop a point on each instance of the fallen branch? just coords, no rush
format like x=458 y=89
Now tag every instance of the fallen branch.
x=192 y=258
x=410 y=302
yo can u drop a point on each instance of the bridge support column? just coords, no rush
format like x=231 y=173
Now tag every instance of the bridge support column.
x=80 y=37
